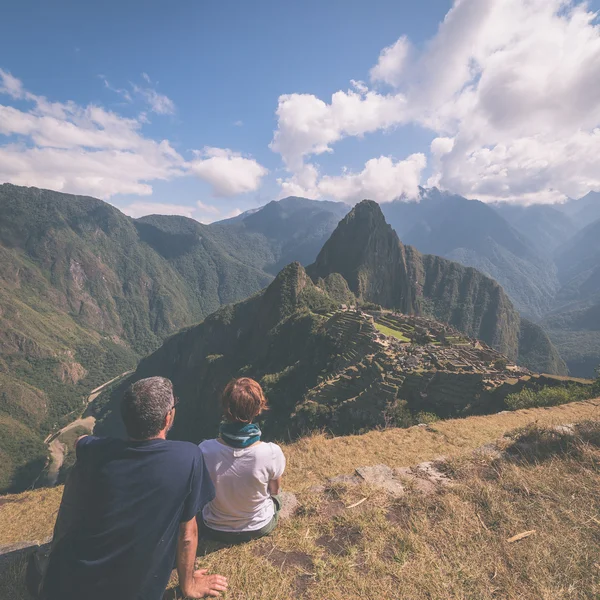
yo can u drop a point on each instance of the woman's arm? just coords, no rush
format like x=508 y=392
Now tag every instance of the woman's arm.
x=275 y=486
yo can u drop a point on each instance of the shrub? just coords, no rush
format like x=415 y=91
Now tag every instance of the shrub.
x=426 y=417
x=548 y=396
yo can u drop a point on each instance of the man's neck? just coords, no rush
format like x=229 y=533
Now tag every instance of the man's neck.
x=162 y=435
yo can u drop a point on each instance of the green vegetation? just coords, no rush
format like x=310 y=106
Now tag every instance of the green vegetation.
x=549 y=396
x=392 y=332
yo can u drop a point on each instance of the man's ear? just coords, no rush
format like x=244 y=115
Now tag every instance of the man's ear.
x=169 y=419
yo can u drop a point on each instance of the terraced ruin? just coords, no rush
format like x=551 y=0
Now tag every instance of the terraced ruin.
x=397 y=367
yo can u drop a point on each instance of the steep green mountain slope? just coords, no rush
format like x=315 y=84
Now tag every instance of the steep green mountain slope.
x=576 y=333
x=321 y=366
x=292 y=229
x=366 y=251
x=84 y=291
x=475 y=235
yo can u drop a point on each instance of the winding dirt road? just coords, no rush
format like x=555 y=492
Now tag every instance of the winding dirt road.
x=58 y=449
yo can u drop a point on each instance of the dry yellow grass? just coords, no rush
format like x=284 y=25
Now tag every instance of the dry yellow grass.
x=452 y=544
x=313 y=459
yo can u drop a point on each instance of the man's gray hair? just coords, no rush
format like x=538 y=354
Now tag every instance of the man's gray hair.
x=145 y=406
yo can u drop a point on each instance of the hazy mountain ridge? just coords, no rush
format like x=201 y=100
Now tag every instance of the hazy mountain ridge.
x=379 y=268
x=474 y=234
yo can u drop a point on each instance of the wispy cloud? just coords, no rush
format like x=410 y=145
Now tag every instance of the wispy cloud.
x=120 y=91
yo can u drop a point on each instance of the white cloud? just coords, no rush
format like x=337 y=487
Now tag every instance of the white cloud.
x=158 y=103
x=207 y=213
x=228 y=172
x=120 y=91
x=10 y=85
x=307 y=125
x=391 y=62
x=89 y=150
x=201 y=211
x=511 y=88
x=82 y=150
x=381 y=180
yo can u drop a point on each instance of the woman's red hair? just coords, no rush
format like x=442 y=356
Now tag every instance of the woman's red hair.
x=242 y=400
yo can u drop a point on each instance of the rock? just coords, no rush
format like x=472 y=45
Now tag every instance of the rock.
x=289 y=505
x=428 y=470
x=344 y=480
x=490 y=451
x=381 y=476
x=567 y=429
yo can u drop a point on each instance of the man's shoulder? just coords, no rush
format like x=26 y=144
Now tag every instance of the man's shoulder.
x=87 y=443
x=183 y=448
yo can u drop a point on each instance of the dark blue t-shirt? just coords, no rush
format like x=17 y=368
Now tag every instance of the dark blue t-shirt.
x=126 y=502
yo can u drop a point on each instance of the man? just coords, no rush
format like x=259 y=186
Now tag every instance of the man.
x=130 y=507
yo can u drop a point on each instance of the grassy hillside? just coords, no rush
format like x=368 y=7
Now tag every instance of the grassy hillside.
x=452 y=543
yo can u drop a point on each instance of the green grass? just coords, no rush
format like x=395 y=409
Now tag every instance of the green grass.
x=392 y=332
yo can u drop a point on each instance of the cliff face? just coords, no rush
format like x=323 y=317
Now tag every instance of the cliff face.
x=379 y=268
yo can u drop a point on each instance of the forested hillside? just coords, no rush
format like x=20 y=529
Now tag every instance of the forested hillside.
x=85 y=291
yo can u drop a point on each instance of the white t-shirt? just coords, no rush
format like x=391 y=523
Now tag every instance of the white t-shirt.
x=241 y=477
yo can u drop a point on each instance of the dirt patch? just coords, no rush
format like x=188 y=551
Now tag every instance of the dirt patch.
x=290 y=560
x=399 y=514
x=341 y=540
x=331 y=508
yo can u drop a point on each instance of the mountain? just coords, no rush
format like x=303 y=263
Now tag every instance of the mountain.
x=574 y=324
x=324 y=366
x=321 y=366
x=577 y=335
x=578 y=262
x=474 y=234
x=366 y=251
x=543 y=225
x=582 y=210
x=85 y=291
x=292 y=229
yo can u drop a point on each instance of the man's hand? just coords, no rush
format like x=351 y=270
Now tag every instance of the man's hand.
x=204 y=585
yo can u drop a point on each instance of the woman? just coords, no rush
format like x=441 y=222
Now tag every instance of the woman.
x=245 y=471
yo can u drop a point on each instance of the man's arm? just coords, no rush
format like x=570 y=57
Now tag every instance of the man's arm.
x=275 y=486
x=194 y=584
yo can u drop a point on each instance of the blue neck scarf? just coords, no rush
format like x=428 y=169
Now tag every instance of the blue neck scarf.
x=239 y=435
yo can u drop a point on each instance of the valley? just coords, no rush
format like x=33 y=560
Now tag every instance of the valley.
x=117 y=287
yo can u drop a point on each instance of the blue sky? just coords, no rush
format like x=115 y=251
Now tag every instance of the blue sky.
x=208 y=108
